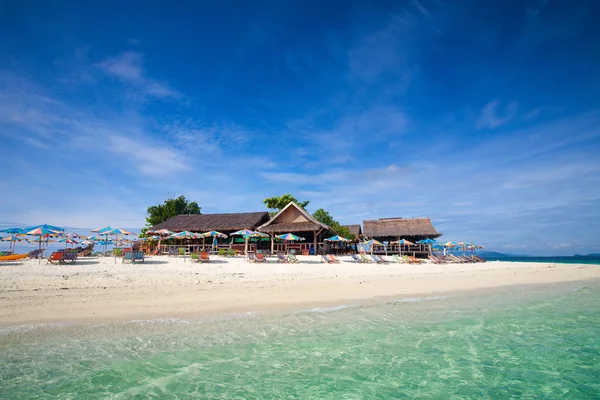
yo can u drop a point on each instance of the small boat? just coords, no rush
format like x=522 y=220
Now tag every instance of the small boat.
x=13 y=257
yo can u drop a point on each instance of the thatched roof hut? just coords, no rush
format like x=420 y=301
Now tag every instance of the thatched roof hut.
x=355 y=230
x=225 y=223
x=400 y=228
x=293 y=218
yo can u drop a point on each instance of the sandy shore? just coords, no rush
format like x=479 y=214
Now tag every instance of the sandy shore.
x=100 y=290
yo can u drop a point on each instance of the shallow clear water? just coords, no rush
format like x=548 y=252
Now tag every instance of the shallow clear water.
x=519 y=342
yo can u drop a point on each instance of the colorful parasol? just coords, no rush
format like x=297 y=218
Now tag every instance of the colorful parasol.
x=337 y=238
x=43 y=230
x=289 y=236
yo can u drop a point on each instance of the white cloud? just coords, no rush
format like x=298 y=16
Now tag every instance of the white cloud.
x=150 y=159
x=490 y=117
x=128 y=67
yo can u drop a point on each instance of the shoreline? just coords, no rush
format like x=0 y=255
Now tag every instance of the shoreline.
x=103 y=292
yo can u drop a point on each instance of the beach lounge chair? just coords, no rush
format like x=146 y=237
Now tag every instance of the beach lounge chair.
x=117 y=252
x=268 y=253
x=260 y=258
x=325 y=258
x=195 y=257
x=397 y=259
x=127 y=256
x=204 y=257
x=282 y=258
x=381 y=260
x=138 y=256
x=366 y=259
x=222 y=252
x=69 y=257
x=230 y=253
x=356 y=258
x=333 y=259
x=35 y=253
x=55 y=257
x=408 y=260
x=292 y=258
x=375 y=259
x=436 y=260
x=415 y=260
x=251 y=257
x=181 y=251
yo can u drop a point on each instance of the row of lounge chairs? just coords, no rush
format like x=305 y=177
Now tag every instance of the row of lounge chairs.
x=377 y=259
x=454 y=259
x=281 y=257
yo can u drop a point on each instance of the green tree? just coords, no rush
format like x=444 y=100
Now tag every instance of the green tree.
x=276 y=203
x=325 y=218
x=169 y=209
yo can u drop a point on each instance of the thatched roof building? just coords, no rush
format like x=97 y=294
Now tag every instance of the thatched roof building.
x=225 y=223
x=293 y=218
x=400 y=228
x=355 y=230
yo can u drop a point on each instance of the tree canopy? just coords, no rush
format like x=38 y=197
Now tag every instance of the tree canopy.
x=276 y=203
x=169 y=209
x=325 y=218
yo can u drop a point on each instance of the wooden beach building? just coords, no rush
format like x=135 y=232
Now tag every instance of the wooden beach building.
x=294 y=219
x=411 y=229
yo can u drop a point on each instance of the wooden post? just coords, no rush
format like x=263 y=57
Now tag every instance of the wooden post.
x=273 y=242
x=315 y=242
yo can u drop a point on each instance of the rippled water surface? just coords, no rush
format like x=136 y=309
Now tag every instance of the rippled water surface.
x=519 y=342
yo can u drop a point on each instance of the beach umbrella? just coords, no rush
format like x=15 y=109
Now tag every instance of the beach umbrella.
x=246 y=233
x=289 y=236
x=43 y=230
x=426 y=241
x=213 y=234
x=337 y=238
x=13 y=239
x=67 y=241
x=14 y=231
x=162 y=232
x=102 y=231
x=372 y=243
x=117 y=232
x=243 y=232
x=403 y=242
x=183 y=235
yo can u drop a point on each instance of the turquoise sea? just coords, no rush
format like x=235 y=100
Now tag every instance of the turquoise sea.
x=516 y=342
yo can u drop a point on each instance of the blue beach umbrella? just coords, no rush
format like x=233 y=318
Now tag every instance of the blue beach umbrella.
x=426 y=241
x=14 y=231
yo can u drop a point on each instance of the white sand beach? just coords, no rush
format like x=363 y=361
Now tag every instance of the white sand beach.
x=102 y=290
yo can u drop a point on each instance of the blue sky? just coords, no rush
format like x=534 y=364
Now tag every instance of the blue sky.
x=484 y=116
